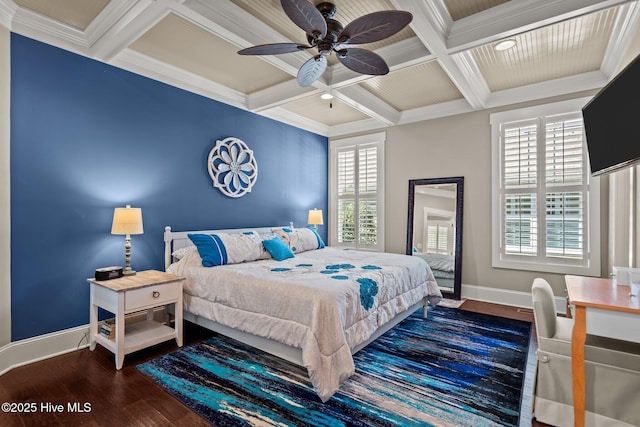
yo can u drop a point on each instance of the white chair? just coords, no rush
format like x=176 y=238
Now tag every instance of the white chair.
x=612 y=371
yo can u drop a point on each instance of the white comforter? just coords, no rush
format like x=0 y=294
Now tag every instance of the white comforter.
x=439 y=261
x=313 y=301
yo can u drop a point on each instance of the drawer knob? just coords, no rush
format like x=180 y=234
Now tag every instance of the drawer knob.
x=156 y=294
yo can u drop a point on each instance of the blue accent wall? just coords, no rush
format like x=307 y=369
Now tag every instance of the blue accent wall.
x=87 y=137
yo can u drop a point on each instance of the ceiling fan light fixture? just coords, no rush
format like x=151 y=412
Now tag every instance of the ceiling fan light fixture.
x=328 y=35
x=326 y=95
x=505 y=45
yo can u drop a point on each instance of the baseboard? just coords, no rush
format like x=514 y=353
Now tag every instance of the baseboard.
x=42 y=347
x=31 y=350
x=506 y=297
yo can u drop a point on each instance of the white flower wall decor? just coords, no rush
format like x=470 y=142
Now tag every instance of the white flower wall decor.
x=232 y=167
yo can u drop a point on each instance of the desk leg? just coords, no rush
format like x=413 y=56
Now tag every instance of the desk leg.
x=578 y=339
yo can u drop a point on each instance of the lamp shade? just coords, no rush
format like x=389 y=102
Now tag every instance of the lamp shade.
x=315 y=217
x=127 y=220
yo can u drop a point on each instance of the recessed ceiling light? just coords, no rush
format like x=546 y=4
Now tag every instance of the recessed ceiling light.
x=505 y=44
x=326 y=95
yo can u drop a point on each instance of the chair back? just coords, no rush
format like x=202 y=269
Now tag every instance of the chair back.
x=544 y=311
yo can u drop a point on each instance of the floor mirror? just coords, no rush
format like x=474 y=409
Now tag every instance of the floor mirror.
x=434 y=229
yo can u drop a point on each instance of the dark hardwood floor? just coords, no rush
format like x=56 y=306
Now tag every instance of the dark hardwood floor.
x=126 y=397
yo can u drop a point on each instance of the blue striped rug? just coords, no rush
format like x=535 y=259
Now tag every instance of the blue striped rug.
x=457 y=368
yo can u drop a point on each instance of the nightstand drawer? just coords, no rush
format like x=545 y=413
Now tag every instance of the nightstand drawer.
x=150 y=295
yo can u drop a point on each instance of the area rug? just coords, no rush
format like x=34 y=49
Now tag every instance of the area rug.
x=455 y=368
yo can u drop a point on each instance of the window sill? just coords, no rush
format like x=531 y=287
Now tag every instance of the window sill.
x=592 y=270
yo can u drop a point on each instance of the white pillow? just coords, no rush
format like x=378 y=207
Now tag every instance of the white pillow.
x=300 y=239
x=179 y=253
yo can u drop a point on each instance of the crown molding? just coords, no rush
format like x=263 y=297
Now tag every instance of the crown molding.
x=141 y=64
x=138 y=63
x=285 y=116
x=593 y=80
x=7 y=10
x=50 y=31
x=360 y=126
x=443 y=109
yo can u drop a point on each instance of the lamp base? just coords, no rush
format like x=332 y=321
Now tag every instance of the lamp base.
x=128 y=272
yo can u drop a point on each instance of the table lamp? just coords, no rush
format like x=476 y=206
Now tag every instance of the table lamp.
x=127 y=221
x=315 y=218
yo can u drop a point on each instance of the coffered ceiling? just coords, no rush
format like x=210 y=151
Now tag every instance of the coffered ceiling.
x=443 y=63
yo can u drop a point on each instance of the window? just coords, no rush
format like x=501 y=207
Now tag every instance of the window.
x=545 y=203
x=438 y=238
x=356 y=183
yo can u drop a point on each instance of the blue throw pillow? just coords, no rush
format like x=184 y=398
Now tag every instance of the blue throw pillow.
x=278 y=249
x=211 y=249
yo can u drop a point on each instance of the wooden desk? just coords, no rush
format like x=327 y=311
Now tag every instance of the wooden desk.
x=591 y=292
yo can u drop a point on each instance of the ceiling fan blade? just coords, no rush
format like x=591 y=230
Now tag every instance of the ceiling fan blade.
x=311 y=70
x=374 y=26
x=363 y=61
x=306 y=16
x=273 y=49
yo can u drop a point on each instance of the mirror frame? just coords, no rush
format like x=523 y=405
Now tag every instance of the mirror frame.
x=459 y=180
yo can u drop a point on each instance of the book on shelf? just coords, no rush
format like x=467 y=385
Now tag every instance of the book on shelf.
x=108 y=329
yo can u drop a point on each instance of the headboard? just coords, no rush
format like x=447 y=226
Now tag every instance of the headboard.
x=174 y=240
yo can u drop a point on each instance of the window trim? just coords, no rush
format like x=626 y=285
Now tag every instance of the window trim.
x=592 y=243
x=378 y=139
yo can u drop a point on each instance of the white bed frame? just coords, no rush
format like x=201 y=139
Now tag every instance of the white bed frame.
x=176 y=240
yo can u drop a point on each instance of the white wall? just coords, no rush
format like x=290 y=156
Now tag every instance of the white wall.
x=5 y=201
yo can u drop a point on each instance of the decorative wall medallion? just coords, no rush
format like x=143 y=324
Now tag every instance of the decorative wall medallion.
x=232 y=167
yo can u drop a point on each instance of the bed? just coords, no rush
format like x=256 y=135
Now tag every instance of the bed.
x=442 y=266
x=316 y=308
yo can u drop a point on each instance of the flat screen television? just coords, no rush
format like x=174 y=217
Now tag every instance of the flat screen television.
x=612 y=122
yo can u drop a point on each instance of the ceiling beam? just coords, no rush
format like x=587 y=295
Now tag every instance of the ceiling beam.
x=236 y=26
x=402 y=54
x=430 y=23
x=277 y=95
x=143 y=15
x=517 y=17
x=364 y=101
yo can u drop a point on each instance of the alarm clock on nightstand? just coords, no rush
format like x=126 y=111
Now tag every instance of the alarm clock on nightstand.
x=108 y=273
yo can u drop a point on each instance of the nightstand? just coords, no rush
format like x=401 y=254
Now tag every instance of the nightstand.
x=144 y=291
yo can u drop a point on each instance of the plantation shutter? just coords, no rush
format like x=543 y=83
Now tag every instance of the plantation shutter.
x=437 y=238
x=520 y=188
x=346 y=195
x=368 y=196
x=357 y=195
x=544 y=191
x=565 y=202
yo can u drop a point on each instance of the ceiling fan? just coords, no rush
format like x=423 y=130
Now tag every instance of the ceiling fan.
x=328 y=35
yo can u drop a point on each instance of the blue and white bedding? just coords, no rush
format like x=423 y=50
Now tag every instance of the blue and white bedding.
x=325 y=302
